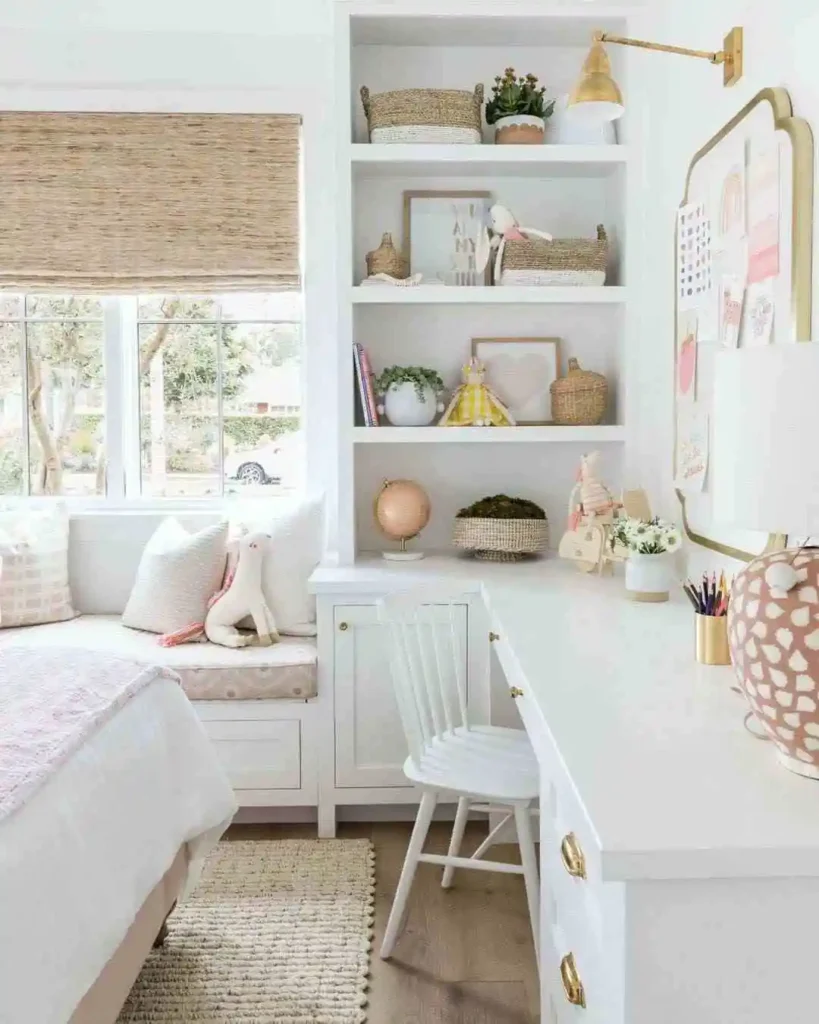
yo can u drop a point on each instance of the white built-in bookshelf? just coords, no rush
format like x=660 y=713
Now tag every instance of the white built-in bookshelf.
x=564 y=189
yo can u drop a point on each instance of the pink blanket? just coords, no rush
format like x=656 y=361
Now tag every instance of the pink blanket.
x=51 y=702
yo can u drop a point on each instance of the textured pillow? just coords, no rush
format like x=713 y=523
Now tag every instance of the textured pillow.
x=293 y=552
x=177 y=574
x=34 y=566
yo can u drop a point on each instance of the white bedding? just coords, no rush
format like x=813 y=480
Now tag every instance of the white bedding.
x=78 y=860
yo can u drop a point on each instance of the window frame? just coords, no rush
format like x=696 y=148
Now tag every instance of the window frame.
x=121 y=325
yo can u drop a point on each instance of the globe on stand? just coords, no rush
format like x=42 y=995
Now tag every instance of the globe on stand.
x=402 y=511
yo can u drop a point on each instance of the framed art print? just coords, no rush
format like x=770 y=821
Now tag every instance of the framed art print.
x=521 y=371
x=441 y=232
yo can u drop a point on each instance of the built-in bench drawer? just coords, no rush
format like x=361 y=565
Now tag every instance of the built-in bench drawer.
x=259 y=754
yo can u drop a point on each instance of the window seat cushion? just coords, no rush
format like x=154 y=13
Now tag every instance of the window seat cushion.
x=208 y=671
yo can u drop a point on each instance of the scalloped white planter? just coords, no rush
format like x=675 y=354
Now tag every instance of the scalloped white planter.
x=520 y=129
x=405 y=409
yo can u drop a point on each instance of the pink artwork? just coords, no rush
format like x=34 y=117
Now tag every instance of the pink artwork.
x=763 y=214
x=687 y=356
x=731 y=298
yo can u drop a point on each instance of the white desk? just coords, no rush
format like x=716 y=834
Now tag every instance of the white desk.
x=702 y=853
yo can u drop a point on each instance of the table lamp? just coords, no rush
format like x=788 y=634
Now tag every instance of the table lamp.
x=765 y=476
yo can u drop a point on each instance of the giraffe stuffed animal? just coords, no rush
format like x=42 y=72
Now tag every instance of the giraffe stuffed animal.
x=242 y=597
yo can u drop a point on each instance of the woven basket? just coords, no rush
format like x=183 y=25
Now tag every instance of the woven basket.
x=580 y=398
x=424 y=115
x=501 y=540
x=387 y=260
x=563 y=261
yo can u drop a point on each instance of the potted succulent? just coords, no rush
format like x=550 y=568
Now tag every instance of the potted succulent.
x=649 y=545
x=502 y=529
x=410 y=395
x=518 y=109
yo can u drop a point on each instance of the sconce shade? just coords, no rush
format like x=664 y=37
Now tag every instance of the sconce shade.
x=596 y=95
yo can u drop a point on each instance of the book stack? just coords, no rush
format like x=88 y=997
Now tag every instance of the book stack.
x=365 y=392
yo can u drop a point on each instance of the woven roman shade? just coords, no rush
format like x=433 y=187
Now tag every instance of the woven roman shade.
x=149 y=202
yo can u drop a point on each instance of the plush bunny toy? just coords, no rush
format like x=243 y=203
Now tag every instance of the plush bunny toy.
x=243 y=596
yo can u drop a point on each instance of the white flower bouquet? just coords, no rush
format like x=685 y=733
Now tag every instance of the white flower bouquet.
x=641 y=537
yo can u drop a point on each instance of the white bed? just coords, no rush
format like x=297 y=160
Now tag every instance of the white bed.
x=80 y=859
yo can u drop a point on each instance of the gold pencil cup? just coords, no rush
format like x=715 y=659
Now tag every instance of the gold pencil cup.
x=712 y=640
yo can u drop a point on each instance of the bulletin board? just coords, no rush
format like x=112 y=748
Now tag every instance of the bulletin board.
x=743 y=276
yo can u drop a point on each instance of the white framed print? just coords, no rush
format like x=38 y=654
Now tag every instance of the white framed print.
x=441 y=234
x=521 y=371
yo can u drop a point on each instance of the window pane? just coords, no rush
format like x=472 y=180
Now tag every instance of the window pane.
x=12 y=410
x=179 y=410
x=66 y=406
x=72 y=307
x=260 y=306
x=11 y=306
x=178 y=307
x=262 y=408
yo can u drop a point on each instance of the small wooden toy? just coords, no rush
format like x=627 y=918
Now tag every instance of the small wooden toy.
x=474 y=404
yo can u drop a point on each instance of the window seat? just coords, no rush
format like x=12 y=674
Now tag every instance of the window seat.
x=286 y=670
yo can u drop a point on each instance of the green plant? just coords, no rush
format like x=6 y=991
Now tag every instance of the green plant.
x=501 y=506
x=514 y=96
x=420 y=376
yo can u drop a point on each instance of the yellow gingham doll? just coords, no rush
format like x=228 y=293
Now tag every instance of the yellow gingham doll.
x=474 y=404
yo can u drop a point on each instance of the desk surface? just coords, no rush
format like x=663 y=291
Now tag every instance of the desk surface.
x=672 y=783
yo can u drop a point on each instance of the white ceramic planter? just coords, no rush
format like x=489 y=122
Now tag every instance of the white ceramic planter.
x=649 y=577
x=404 y=409
x=519 y=129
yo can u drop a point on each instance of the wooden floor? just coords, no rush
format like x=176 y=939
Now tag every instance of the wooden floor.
x=465 y=955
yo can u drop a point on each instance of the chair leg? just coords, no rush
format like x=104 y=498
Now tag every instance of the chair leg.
x=415 y=848
x=528 y=858
x=456 y=840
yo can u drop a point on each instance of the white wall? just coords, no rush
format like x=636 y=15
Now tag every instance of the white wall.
x=687 y=103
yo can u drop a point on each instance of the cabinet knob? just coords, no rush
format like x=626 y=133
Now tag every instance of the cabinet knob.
x=571 y=854
x=572 y=985
x=515 y=691
x=493 y=637
x=343 y=626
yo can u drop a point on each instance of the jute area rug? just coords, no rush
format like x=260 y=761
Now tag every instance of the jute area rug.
x=276 y=931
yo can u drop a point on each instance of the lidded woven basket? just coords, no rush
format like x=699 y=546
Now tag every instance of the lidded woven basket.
x=501 y=540
x=387 y=260
x=580 y=398
x=424 y=115
x=563 y=261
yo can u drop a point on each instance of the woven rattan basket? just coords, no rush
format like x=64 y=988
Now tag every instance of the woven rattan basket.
x=563 y=261
x=501 y=540
x=387 y=260
x=580 y=398
x=424 y=115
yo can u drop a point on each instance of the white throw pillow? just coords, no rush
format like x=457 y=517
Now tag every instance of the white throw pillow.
x=34 y=566
x=177 y=574
x=293 y=552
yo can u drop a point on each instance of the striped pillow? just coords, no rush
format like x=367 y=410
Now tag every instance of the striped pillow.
x=34 y=566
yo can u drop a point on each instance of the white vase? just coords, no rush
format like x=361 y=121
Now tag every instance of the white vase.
x=519 y=129
x=405 y=409
x=649 y=577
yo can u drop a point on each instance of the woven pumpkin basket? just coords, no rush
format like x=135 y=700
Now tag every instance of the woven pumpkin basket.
x=563 y=261
x=424 y=115
x=580 y=398
x=387 y=260
x=501 y=540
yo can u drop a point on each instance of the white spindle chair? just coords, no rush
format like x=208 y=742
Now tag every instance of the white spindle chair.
x=487 y=767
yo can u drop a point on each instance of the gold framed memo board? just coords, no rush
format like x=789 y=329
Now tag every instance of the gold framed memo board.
x=743 y=276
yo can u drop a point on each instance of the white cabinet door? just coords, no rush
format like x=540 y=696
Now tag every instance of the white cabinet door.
x=370 y=743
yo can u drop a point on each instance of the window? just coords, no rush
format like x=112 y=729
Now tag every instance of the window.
x=157 y=396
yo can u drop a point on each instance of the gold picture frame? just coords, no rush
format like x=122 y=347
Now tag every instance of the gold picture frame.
x=801 y=264
x=553 y=343
x=432 y=194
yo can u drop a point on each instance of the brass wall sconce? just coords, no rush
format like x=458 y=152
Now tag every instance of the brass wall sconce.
x=598 y=95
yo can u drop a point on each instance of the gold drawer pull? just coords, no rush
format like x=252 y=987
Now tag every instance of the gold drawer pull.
x=572 y=856
x=572 y=985
x=493 y=637
x=515 y=691
x=343 y=626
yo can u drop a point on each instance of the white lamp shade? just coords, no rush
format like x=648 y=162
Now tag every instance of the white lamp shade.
x=764 y=464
